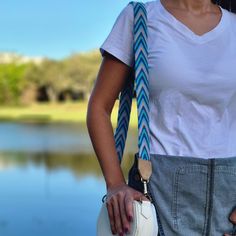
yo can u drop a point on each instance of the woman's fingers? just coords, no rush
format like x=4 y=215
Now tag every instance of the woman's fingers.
x=144 y=198
x=129 y=207
x=232 y=216
x=117 y=216
x=120 y=208
x=124 y=218
x=140 y=196
x=114 y=215
x=111 y=217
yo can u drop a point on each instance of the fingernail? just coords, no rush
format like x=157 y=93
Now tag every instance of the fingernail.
x=130 y=218
x=126 y=230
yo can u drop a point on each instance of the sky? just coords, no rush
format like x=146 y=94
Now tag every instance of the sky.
x=56 y=28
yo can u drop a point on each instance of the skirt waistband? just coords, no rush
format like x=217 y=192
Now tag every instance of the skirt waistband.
x=197 y=160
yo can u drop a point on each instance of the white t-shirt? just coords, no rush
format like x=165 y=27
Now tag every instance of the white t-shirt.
x=192 y=81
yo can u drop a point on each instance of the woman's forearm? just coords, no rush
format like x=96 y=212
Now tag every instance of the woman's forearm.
x=101 y=134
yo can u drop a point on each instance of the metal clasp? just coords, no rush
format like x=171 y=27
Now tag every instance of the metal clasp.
x=145 y=189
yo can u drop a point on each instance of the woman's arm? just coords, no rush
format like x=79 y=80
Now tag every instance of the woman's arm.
x=111 y=79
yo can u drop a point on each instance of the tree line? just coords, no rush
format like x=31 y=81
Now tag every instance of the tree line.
x=49 y=81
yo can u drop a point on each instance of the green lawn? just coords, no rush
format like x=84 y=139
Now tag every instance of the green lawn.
x=56 y=112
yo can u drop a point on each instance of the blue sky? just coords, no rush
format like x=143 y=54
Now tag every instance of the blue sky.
x=56 y=28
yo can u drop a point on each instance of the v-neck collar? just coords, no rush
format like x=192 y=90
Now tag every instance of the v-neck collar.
x=188 y=33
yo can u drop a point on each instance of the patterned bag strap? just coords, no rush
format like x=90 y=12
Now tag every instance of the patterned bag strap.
x=141 y=84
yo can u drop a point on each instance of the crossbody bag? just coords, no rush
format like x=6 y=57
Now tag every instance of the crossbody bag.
x=145 y=218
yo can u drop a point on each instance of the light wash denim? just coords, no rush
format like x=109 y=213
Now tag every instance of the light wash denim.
x=192 y=196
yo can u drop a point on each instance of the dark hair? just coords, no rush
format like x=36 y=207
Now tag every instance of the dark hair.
x=229 y=5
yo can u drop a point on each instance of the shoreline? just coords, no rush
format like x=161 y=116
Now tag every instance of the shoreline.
x=67 y=112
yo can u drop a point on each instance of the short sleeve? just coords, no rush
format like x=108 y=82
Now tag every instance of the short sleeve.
x=119 y=41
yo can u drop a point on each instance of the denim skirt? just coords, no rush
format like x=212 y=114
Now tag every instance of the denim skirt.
x=192 y=196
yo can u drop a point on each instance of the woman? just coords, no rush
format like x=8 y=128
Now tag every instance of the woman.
x=192 y=55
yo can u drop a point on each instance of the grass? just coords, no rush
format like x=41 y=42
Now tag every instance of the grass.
x=57 y=112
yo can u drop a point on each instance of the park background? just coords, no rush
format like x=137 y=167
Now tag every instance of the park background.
x=50 y=180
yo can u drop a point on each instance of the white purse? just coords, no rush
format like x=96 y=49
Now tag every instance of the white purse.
x=144 y=222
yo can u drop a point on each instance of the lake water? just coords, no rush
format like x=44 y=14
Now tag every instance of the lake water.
x=50 y=180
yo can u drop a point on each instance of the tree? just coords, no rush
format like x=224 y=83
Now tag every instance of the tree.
x=12 y=82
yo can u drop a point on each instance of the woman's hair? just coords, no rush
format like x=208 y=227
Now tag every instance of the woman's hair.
x=227 y=4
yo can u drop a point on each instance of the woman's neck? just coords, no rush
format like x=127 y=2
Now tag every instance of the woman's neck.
x=194 y=6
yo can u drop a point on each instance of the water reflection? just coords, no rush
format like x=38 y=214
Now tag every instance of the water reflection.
x=61 y=137
x=50 y=189
x=37 y=199
x=79 y=164
x=36 y=137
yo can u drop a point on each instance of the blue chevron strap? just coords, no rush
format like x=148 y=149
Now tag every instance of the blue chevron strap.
x=141 y=79
x=141 y=85
x=125 y=103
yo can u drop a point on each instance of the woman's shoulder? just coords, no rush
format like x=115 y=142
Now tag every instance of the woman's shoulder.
x=149 y=5
x=232 y=18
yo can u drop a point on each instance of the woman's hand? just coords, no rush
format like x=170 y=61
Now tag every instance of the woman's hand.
x=232 y=218
x=120 y=207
